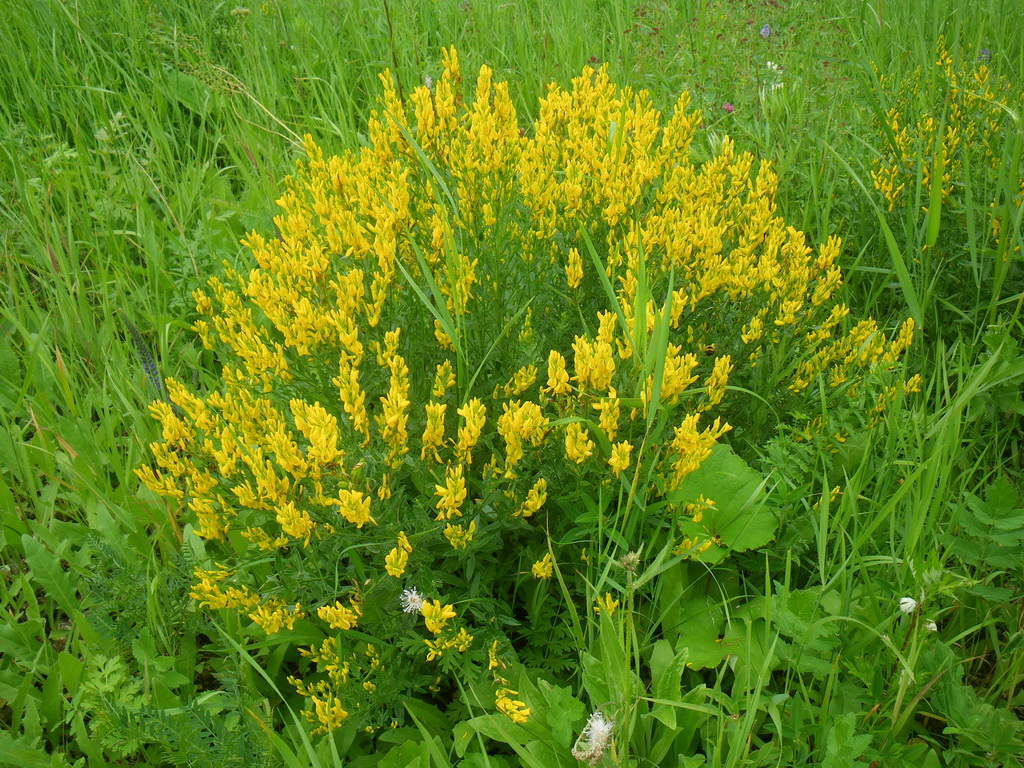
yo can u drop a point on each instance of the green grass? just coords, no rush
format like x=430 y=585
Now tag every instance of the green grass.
x=141 y=141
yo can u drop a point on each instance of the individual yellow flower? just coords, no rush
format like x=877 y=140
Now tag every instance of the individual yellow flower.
x=436 y=615
x=435 y=648
x=619 y=460
x=543 y=568
x=606 y=605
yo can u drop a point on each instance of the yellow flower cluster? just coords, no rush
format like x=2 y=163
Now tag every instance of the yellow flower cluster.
x=514 y=710
x=435 y=619
x=543 y=568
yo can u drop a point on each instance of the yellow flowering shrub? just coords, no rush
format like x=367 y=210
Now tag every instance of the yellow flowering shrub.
x=459 y=330
x=967 y=122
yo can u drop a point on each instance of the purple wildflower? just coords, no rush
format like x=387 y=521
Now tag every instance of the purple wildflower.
x=766 y=31
x=984 y=55
x=728 y=108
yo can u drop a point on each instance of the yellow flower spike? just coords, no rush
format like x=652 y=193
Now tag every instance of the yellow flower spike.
x=461 y=641
x=328 y=712
x=543 y=568
x=678 y=374
x=520 y=422
x=294 y=523
x=473 y=414
x=521 y=381
x=578 y=445
x=451 y=494
x=395 y=562
x=692 y=447
x=492 y=657
x=620 y=459
x=320 y=428
x=444 y=379
x=338 y=616
x=458 y=536
x=275 y=615
x=433 y=432
x=716 y=382
x=394 y=416
x=558 y=377
x=516 y=711
x=353 y=398
x=435 y=615
x=535 y=499
x=609 y=410
x=354 y=506
x=574 y=270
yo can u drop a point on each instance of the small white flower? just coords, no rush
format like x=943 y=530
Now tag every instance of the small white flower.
x=594 y=739
x=411 y=601
x=931 y=626
x=908 y=604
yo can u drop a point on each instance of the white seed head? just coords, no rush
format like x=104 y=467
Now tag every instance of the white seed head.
x=595 y=739
x=411 y=601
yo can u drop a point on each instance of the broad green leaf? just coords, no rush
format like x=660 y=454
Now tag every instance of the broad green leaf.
x=667 y=668
x=501 y=729
x=562 y=710
x=411 y=754
x=740 y=518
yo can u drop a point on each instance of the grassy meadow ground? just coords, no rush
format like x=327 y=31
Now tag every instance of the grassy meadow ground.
x=880 y=620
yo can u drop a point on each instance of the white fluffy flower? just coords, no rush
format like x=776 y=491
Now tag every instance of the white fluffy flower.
x=931 y=626
x=908 y=604
x=594 y=739
x=411 y=600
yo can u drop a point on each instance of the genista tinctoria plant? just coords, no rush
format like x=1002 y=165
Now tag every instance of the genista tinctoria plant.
x=468 y=336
